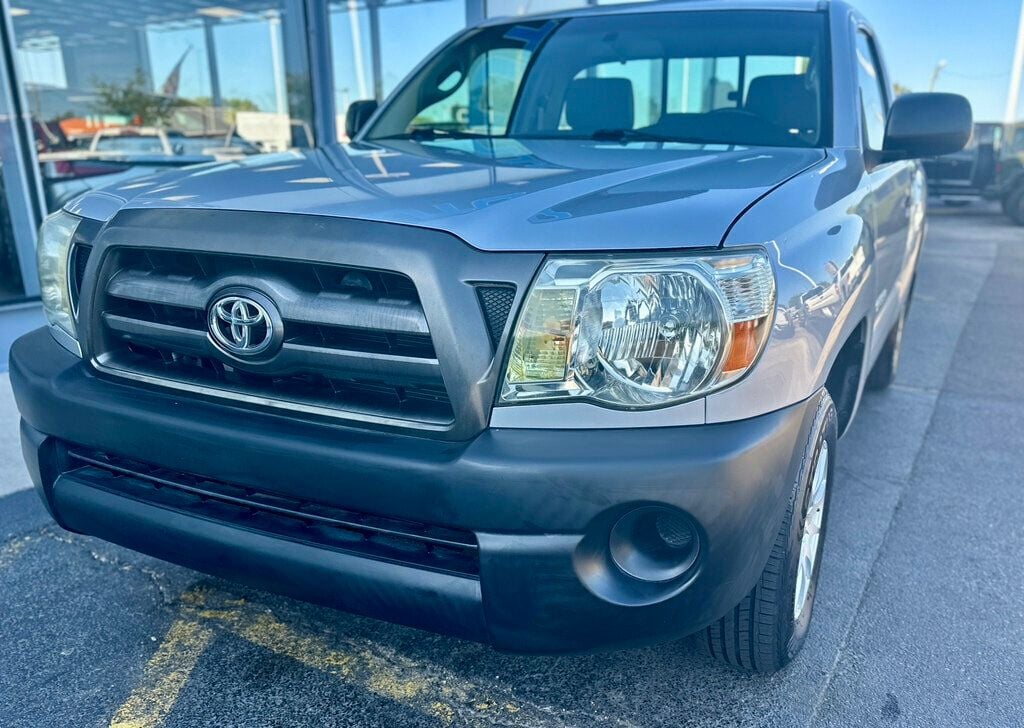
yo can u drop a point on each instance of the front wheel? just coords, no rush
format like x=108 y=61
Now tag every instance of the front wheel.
x=764 y=632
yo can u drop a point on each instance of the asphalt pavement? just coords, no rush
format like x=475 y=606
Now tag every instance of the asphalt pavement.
x=919 y=619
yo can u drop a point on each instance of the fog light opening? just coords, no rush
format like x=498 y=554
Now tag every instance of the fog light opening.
x=654 y=544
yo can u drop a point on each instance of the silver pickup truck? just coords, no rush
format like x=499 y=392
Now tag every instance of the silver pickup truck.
x=554 y=355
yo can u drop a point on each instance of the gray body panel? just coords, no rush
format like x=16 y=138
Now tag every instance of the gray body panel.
x=503 y=195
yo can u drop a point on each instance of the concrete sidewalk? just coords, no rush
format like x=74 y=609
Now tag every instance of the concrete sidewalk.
x=13 y=475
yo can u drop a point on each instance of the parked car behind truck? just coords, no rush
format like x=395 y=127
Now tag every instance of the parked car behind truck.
x=970 y=174
x=990 y=167
x=554 y=356
x=1010 y=173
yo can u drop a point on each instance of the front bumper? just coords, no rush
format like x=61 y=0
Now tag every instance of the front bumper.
x=535 y=501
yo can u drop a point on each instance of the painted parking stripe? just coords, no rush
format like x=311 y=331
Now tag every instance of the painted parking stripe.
x=164 y=676
x=427 y=688
x=203 y=611
x=10 y=551
x=362 y=664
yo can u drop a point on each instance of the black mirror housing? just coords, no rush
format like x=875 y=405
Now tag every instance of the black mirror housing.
x=359 y=112
x=927 y=125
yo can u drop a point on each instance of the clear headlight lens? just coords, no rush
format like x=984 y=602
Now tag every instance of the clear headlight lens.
x=640 y=332
x=53 y=252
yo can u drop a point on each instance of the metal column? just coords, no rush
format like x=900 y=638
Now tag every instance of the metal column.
x=22 y=182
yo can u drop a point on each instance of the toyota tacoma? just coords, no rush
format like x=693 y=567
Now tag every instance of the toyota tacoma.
x=553 y=354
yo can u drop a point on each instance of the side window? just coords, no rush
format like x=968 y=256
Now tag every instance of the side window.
x=874 y=106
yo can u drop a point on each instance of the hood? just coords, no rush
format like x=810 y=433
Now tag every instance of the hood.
x=502 y=194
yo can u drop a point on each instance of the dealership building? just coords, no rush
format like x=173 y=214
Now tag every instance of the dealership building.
x=99 y=90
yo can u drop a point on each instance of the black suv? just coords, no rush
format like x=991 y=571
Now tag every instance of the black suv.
x=969 y=174
x=1010 y=173
x=990 y=167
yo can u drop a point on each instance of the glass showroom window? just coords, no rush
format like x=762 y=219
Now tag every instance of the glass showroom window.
x=375 y=43
x=500 y=8
x=11 y=286
x=116 y=92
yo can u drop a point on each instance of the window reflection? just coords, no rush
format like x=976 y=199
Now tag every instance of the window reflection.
x=118 y=92
x=376 y=43
x=11 y=287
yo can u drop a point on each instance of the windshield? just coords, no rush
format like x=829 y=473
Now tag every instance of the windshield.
x=700 y=77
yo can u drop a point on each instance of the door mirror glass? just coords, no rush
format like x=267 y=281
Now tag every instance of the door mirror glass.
x=358 y=113
x=927 y=125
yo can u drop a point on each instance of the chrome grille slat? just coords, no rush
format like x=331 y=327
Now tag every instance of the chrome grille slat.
x=332 y=309
x=176 y=337
x=146 y=287
x=411 y=369
x=292 y=358
x=323 y=308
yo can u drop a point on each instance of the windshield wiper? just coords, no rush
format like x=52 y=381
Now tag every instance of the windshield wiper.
x=629 y=135
x=429 y=133
x=639 y=135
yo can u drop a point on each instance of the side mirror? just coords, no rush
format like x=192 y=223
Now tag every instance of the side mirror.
x=359 y=112
x=927 y=125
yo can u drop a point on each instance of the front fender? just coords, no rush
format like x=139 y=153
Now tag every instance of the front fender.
x=820 y=234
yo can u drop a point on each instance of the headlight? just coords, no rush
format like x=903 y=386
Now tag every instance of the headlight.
x=640 y=332
x=53 y=252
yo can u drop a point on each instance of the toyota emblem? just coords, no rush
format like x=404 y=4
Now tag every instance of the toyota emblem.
x=244 y=325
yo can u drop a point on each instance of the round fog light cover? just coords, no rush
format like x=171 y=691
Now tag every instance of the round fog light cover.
x=654 y=544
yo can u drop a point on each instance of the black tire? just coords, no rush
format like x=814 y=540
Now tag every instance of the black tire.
x=883 y=373
x=761 y=633
x=1014 y=205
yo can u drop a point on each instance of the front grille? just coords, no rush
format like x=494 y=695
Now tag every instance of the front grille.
x=404 y=542
x=356 y=341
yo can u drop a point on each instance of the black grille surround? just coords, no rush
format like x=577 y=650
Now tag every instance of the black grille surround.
x=79 y=259
x=399 y=541
x=356 y=340
x=383 y=326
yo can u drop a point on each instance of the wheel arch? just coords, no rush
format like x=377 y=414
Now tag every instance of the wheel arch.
x=845 y=379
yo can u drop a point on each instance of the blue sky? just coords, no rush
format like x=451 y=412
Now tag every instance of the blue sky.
x=977 y=38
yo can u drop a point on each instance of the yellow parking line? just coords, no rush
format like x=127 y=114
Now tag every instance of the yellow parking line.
x=424 y=687
x=164 y=676
x=362 y=664
x=12 y=549
x=418 y=685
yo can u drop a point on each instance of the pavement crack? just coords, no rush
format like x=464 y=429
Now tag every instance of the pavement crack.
x=85 y=544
